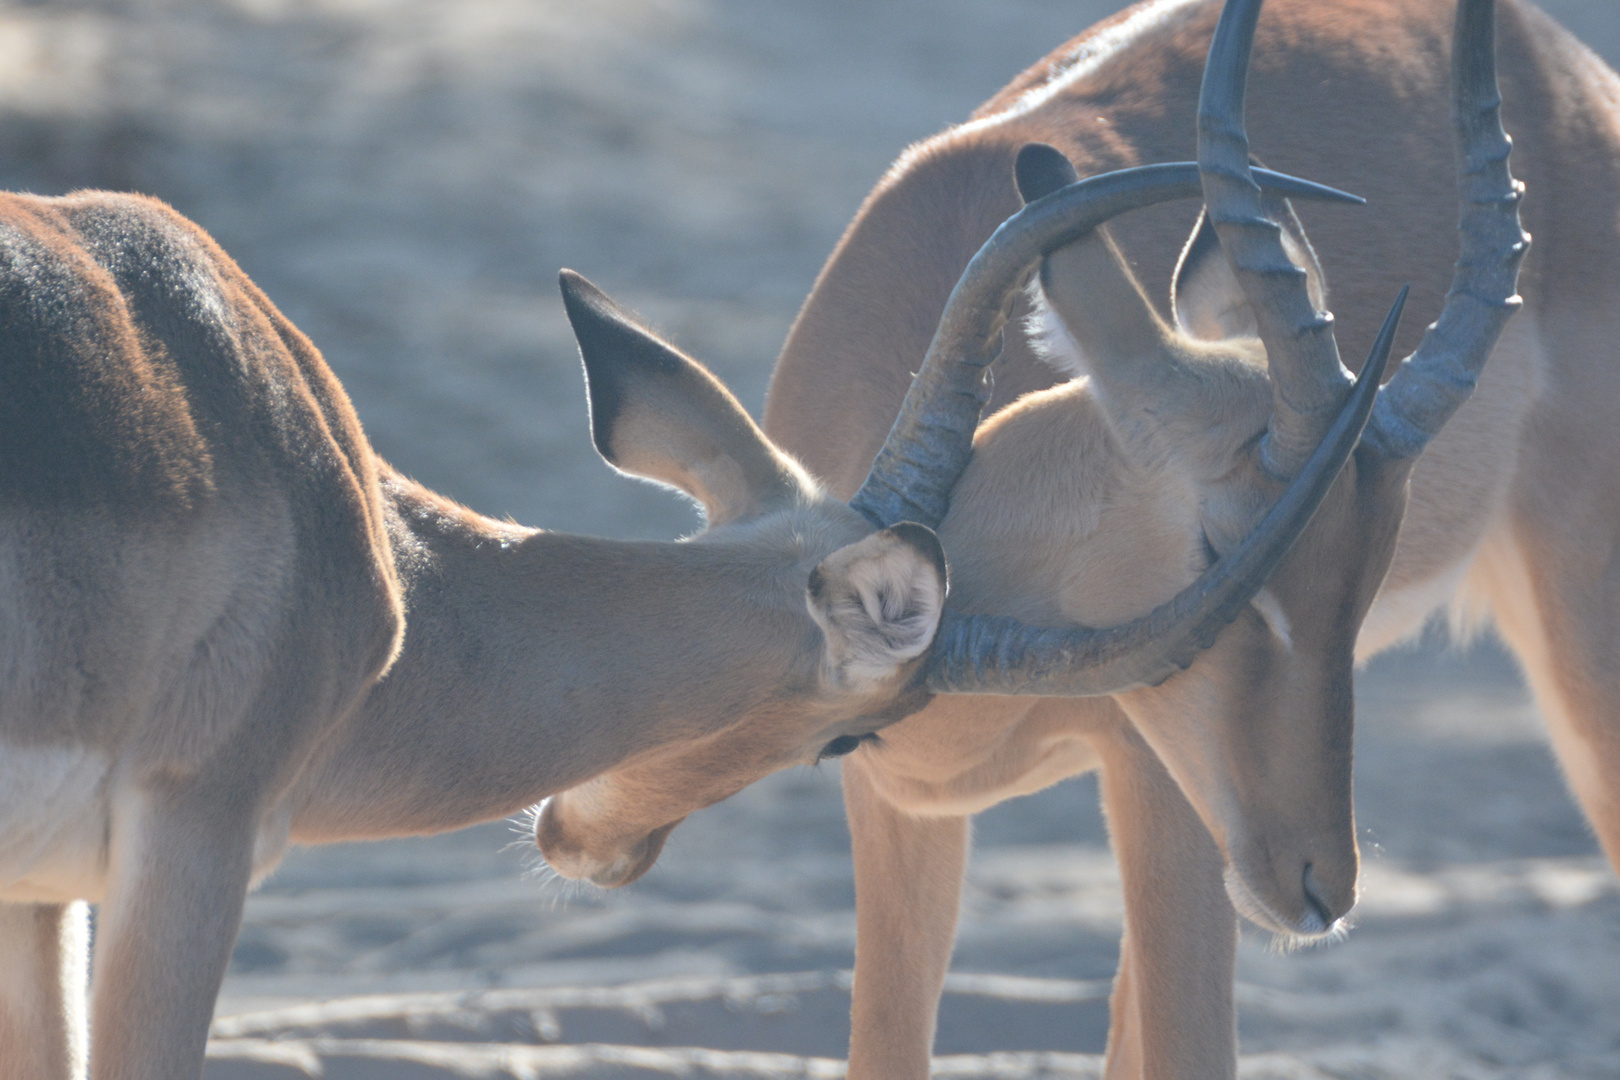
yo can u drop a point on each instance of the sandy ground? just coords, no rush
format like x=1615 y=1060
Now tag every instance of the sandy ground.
x=1486 y=944
x=404 y=177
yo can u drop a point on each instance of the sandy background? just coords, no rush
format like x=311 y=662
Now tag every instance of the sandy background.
x=405 y=177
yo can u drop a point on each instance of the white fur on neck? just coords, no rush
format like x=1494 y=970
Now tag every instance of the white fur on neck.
x=1270 y=610
x=1049 y=336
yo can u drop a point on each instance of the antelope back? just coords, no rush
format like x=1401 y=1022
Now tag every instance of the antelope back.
x=182 y=473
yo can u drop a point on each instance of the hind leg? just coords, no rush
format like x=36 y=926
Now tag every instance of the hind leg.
x=43 y=966
x=1557 y=604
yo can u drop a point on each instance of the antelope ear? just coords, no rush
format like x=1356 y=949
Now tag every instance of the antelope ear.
x=1041 y=169
x=1205 y=296
x=660 y=415
x=878 y=602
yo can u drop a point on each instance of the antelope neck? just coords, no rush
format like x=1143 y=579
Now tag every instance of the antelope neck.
x=557 y=657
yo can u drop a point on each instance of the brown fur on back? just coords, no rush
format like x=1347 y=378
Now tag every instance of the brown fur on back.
x=92 y=409
x=144 y=378
x=1324 y=102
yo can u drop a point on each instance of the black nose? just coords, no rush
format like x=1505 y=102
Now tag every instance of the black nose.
x=1318 y=906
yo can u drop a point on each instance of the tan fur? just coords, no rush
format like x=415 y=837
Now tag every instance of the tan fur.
x=1076 y=508
x=43 y=965
x=728 y=467
x=226 y=625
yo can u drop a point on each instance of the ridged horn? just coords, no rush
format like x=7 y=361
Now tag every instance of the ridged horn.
x=1437 y=378
x=1308 y=382
x=980 y=654
x=932 y=440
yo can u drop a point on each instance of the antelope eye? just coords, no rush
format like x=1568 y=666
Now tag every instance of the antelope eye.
x=844 y=744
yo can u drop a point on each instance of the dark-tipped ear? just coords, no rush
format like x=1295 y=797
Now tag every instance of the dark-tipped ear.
x=1205 y=295
x=660 y=415
x=878 y=602
x=1041 y=170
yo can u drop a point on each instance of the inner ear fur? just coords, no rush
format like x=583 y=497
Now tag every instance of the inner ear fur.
x=878 y=602
x=658 y=414
x=1205 y=296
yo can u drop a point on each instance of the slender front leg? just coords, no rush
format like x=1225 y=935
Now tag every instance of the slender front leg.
x=908 y=888
x=180 y=868
x=43 y=962
x=1173 y=1015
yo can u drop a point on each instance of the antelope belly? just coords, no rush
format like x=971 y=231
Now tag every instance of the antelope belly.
x=53 y=822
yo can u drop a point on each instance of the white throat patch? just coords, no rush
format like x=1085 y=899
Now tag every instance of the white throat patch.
x=1049 y=337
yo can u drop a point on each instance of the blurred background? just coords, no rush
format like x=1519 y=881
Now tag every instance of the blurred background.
x=404 y=178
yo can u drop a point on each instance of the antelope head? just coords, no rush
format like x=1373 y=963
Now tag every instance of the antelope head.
x=794 y=626
x=786 y=629
x=1218 y=414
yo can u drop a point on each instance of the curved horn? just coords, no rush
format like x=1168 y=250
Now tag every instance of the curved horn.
x=1437 y=378
x=932 y=440
x=979 y=654
x=1308 y=381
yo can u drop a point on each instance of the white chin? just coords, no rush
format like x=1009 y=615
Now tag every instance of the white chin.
x=1310 y=929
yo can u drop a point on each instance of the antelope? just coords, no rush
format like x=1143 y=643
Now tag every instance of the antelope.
x=1228 y=787
x=227 y=626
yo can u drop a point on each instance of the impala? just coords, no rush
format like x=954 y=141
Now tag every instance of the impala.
x=1229 y=786
x=226 y=625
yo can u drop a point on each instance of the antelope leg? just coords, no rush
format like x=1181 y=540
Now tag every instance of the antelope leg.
x=908 y=889
x=1173 y=1016
x=42 y=976
x=180 y=867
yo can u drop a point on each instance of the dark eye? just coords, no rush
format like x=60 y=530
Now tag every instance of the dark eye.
x=845 y=744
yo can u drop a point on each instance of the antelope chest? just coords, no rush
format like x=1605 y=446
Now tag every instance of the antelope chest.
x=1031 y=758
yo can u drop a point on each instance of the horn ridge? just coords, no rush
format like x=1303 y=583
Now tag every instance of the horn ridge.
x=986 y=654
x=1439 y=376
x=1308 y=380
x=932 y=439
